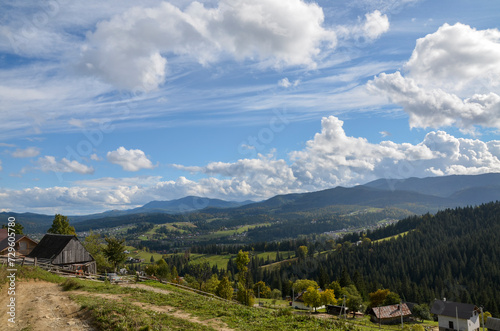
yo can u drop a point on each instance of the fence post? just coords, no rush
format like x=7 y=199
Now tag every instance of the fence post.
x=35 y=261
x=22 y=263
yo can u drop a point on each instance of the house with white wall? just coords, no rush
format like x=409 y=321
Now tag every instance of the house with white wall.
x=298 y=303
x=456 y=316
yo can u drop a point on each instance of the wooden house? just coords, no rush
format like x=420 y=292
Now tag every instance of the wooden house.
x=456 y=315
x=493 y=324
x=390 y=314
x=23 y=245
x=65 y=251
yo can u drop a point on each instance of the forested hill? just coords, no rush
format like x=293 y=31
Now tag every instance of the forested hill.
x=453 y=254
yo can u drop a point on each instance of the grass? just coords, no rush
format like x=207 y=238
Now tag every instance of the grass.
x=27 y=273
x=402 y=234
x=221 y=260
x=124 y=313
x=140 y=254
x=230 y=232
x=237 y=316
x=176 y=227
x=268 y=303
x=108 y=314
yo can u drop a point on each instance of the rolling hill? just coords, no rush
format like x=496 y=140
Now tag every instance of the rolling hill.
x=413 y=195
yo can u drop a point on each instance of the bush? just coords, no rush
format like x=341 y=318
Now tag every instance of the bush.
x=71 y=284
x=282 y=312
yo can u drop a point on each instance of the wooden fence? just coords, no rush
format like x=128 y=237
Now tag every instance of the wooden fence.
x=45 y=265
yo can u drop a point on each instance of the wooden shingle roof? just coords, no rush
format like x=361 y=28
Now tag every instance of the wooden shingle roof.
x=391 y=311
x=4 y=244
x=51 y=245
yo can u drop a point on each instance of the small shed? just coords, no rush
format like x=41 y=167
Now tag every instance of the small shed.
x=23 y=245
x=390 y=314
x=337 y=310
x=65 y=251
x=493 y=324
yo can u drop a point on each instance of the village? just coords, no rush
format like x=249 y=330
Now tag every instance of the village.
x=66 y=255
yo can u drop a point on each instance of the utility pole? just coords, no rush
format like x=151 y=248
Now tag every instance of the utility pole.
x=345 y=317
x=458 y=325
x=401 y=312
x=379 y=317
x=258 y=287
x=482 y=316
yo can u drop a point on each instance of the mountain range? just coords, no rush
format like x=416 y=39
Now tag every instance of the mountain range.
x=417 y=195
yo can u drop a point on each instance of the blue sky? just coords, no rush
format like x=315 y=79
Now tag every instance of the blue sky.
x=109 y=105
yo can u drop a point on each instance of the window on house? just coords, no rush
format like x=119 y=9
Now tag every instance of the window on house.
x=450 y=325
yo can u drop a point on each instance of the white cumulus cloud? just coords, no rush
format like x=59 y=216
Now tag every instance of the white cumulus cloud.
x=372 y=27
x=130 y=160
x=286 y=83
x=50 y=164
x=331 y=158
x=130 y=50
x=452 y=78
x=28 y=152
x=375 y=25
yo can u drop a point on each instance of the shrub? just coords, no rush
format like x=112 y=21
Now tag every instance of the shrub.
x=71 y=284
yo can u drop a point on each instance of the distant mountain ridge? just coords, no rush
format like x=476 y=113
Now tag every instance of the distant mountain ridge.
x=417 y=195
x=188 y=204
x=444 y=186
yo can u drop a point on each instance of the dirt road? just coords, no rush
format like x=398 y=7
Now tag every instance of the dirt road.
x=45 y=306
x=42 y=306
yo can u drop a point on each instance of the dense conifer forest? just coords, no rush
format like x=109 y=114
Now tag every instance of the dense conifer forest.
x=453 y=254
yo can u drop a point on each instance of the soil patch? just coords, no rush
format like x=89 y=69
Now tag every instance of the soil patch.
x=43 y=306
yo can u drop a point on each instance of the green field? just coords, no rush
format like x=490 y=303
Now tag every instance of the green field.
x=230 y=232
x=140 y=254
x=402 y=234
x=221 y=260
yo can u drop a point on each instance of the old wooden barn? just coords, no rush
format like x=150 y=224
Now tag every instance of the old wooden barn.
x=64 y=251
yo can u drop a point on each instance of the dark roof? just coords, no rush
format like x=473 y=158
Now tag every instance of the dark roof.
x=391 y=311
x=493 y=324
x=50 y=246
x=5 y=243
x=450 y=309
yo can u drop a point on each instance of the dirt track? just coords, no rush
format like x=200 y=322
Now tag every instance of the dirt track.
x=42 y=306
x=172 y=311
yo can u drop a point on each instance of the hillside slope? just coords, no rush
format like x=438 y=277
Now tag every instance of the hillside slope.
x=453 y=254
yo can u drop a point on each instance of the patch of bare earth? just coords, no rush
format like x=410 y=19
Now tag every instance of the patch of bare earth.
x=169 y=310
x=42 y=306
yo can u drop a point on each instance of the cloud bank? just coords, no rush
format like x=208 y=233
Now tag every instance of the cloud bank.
x=451 y=79
x=330 y=159
x=130 y=50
